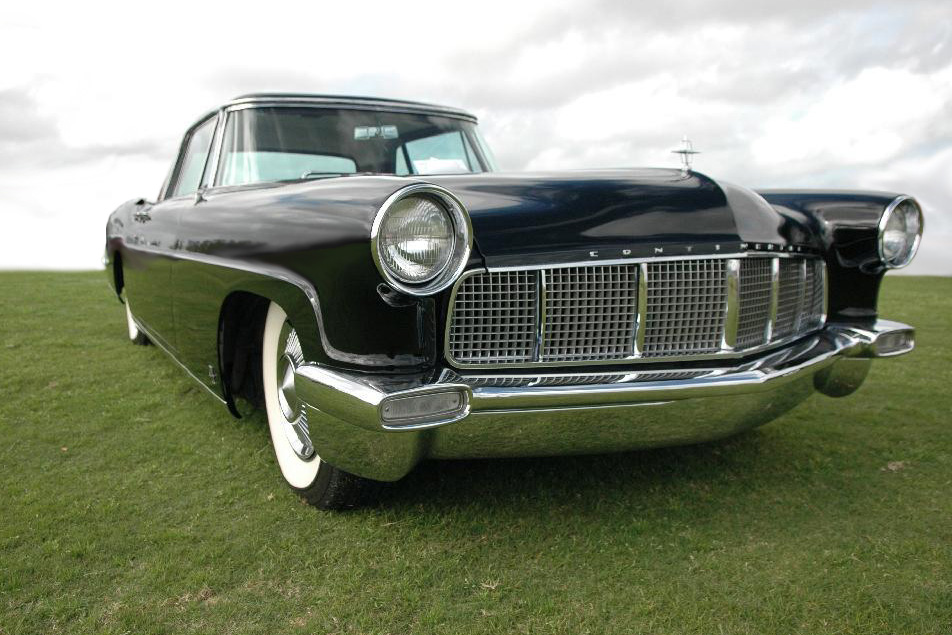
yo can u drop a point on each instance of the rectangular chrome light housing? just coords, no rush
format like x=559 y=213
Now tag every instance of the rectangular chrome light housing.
x=424 y=409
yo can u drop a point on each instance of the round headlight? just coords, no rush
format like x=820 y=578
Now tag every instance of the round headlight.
x=421 y=239
x=416 y=239
x=900 y=230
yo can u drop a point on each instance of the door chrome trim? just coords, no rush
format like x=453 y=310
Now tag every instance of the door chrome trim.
x=162 y=347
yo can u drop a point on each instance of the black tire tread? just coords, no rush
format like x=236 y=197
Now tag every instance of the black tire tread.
x=335 y=489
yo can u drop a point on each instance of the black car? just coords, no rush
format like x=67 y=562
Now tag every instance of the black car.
x=360 y=270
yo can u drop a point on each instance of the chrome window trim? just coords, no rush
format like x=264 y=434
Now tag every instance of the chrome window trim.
x=219 y=146
x=183 y=146
x=462 y=234
x=881 y=228
x=636 y=357
x=350 y=103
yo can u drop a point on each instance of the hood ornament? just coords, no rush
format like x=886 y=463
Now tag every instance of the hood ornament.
x=686 y=151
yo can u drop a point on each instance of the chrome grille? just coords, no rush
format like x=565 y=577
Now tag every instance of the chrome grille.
x=756 y=288
x=589 y=313
x=631 y=312
x=494 y=318
x=815 y=297
x=789 y=297
x=686 y=303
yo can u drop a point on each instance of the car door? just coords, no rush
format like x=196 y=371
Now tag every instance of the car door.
x=154 y=238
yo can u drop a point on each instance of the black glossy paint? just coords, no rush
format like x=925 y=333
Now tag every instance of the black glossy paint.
x=847 y=224
x=183 y=258
x=522 y=219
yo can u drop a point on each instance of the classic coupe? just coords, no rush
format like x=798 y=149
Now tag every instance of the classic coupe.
x=359 y=270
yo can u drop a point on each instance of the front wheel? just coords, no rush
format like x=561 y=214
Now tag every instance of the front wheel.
x=319 y=483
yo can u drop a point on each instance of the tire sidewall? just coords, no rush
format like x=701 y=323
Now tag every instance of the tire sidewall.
x=301 y=475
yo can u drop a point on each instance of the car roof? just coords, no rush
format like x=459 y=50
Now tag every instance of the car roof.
x=349 y=101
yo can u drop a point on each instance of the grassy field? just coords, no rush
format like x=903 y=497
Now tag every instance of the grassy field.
x=131 y=502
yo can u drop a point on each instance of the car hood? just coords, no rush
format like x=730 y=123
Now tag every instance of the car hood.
x=531 y=218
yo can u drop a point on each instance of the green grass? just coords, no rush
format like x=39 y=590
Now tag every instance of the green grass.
x=130 y=501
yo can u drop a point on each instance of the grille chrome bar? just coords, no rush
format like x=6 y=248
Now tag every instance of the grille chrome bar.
x=732 y=311
x=698 y=308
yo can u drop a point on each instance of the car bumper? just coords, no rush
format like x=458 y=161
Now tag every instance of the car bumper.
x=450 y=415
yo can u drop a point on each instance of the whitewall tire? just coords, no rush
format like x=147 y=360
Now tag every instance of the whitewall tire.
x=136 y=336
x=319 y=483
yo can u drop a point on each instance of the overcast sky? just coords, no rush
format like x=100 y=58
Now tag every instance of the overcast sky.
x=835 y=93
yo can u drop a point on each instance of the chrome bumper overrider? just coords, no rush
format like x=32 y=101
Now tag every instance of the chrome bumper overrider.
x=532 y=414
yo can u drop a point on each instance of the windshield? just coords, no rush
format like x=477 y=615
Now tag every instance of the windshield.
x=293 y=143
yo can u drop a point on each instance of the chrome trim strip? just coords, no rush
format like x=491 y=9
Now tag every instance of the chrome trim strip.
x=209 y=179
x=161 y=346
x=219 y=145
x=774 y=297
x=801 y=301
x=641 y=318
x=731 y=305
x=175 y=171
x=881 y=228
x=541 y=299
x=649 y=259
x=283 y=275
x=349 y=103
x=462 y=245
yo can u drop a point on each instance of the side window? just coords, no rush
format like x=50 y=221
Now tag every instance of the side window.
x=193 y=163
x=446 y=153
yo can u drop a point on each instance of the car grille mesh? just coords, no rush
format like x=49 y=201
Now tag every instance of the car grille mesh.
x=587 y=314
x=590 y=313
x=494 y=318
x=756 y=287
x=686 y=306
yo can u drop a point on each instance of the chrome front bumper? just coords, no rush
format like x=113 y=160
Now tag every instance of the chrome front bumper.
x=577 y=413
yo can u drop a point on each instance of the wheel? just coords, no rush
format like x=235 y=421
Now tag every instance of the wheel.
x=319 y=483
x=136 y=336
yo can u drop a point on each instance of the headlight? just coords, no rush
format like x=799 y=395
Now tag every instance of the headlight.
x=900 y=230
x=421 y=239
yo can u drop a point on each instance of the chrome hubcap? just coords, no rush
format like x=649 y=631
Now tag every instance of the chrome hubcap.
x=292 y=410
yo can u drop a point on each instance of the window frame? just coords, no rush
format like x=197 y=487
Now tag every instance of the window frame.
x=210 y=156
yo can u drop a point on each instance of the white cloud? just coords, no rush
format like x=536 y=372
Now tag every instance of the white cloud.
x=869 y=119
x=850 y=93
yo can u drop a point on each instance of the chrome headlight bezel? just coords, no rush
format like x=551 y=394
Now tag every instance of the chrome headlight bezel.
x=462 y=244
x=897 y=206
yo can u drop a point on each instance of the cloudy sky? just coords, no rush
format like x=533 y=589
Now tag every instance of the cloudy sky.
x=832 y=93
